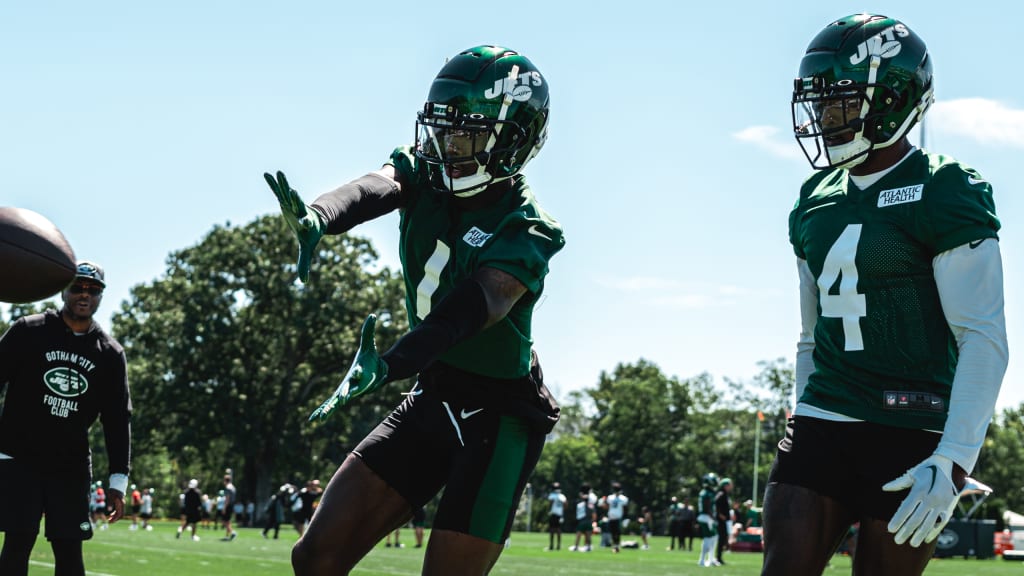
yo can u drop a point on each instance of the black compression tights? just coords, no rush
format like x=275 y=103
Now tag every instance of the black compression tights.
x=67 y=555
x=17 y=549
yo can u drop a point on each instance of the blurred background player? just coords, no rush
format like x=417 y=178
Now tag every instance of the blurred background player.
x=674 y=514
x=419 y=521
x=615 y=504
x=706 y=519
x=192 y=503
x=687 y=524
x=136 y=506
x=230 y=499
x=555 y=516
x=98 y=502
x=723 y=517
x=274 y=511
x=584 y=522
x=646 y=521
x=396 y=533
x=146 y=509
x=306 y=498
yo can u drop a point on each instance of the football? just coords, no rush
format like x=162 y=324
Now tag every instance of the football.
x=36 y=260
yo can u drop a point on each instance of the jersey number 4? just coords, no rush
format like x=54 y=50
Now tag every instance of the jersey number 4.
x=846 y=303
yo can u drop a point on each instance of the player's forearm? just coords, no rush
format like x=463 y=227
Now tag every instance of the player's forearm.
x=808 y=320
x=358 y=201
x=460 y=315
x=970 y=284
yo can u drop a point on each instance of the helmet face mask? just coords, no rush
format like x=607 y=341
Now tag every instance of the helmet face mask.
x=484 y=119
x=864 y=82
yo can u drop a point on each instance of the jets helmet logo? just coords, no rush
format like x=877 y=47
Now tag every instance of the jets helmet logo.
x=66 y=382
x=885 y=44
x=518 y=86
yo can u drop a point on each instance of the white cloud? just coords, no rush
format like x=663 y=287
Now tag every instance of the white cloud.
x=678 y=294
x=767 y=138
x=980 y=119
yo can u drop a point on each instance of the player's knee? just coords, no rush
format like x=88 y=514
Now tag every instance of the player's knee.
x=302 y=558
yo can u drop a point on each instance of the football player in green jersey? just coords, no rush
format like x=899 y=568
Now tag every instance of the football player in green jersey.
x=903 y=346
x=706 y=519
x=475 y=247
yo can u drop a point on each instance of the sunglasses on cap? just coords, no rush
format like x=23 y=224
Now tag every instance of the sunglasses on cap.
x=93 y=290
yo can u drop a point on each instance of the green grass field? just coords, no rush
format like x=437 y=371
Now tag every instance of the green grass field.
x=121 y=552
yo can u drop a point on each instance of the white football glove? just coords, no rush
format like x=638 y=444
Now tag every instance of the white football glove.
x=929 y=505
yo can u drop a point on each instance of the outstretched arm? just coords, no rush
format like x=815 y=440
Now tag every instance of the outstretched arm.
x=335 y=212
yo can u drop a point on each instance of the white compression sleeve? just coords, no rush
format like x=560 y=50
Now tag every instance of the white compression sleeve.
x=808 y=319
x=970 y=284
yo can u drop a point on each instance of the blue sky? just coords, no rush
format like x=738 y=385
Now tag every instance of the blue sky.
x=138 y=126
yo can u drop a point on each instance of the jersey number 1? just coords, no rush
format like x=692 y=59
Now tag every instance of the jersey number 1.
x=431 y=278
x=848 y=304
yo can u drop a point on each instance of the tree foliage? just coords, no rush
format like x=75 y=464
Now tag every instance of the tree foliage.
x=229 y=354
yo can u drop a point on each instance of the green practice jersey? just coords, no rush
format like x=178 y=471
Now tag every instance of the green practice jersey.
x=442 y=244
x=883 y=351
x=706 y=502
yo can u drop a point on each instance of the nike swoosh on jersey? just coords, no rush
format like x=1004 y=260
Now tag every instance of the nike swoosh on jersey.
x=533 y=230
x=974 y=181
x=975 y=243
x=464 y=414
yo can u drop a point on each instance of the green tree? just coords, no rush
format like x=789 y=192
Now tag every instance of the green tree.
x=640 y=420
x=228 y=354
x=570 y=460
x=1001 y=464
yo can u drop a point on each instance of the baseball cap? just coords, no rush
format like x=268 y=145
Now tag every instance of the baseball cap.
x=90 y=271
x=193 y=483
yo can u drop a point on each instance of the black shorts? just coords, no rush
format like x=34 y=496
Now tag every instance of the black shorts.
x=476 y=437
x=615 y=527
x=686 y=529
x=419 y=517
x=554 y=521
x=850 y=461
x=63 y=497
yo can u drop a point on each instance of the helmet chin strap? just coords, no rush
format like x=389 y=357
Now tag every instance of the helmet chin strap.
x=468 y=185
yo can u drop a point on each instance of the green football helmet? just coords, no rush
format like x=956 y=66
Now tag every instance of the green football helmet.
x=864 y=82
x=485 y=117
x=709 y=480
